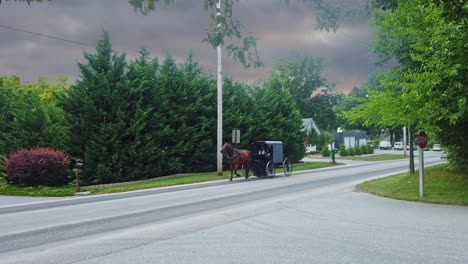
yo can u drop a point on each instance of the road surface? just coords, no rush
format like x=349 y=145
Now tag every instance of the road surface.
x=311 y=217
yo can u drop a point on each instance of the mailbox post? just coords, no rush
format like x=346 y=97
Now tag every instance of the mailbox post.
x=79 y=166
x=333 y=151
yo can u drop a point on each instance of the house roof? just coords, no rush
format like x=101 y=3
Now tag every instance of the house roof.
x=308 y=124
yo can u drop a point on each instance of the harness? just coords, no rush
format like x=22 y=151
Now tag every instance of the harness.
x=236 y=155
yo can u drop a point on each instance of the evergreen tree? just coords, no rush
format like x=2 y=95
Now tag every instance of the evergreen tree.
x=145 y=157
x=189 y=110
x=8 y=85
x=277 y=118
x=237 y=111
x=95 y=105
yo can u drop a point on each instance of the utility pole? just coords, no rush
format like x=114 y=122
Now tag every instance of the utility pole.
x=411 y=155
x=404 y=141
x=220 y=102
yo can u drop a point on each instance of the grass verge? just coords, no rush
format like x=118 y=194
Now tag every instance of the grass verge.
x=39 y=191
x=381 y=157
x=441 y=185
x=125 y=187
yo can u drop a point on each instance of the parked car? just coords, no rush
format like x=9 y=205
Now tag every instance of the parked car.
x=436 y=147
x=414 y=147
x=385 y=145
x=398 y=146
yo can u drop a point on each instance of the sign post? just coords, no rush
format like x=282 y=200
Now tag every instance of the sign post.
x=235 y=136
x=422 y=142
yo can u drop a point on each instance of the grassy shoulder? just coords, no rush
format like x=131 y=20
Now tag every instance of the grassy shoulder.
x=39 y=191
x=441 y=186
x=69 y=190
x=375 y=157
x=371 y=157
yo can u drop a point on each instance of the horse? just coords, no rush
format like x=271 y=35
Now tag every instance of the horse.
x=237 y=159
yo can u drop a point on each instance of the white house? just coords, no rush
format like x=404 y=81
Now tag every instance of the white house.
x=307 y=125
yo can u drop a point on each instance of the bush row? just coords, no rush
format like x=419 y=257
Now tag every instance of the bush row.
x=356 y=151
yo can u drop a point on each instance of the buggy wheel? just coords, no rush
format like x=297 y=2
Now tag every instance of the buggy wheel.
x=270 y=169
x=287 y=167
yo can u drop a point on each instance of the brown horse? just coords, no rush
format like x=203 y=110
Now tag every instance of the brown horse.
x=237 y=159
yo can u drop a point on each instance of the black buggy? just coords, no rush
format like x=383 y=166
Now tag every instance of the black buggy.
x=267 y=156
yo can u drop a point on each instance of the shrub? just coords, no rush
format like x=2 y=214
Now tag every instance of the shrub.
x=342 y=151
x=357 y=150
x=37 y=166
x=370 y=150
x=325 y=151
x=2 y=167
x=351 y=152
x=364 y=150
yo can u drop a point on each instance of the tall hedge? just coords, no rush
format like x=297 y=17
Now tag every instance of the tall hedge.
x=109 y=118
x=189 y=111
x=238 y=111
x=147 y=119
x=276 y=117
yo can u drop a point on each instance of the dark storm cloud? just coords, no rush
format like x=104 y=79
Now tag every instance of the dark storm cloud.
x=174 y=31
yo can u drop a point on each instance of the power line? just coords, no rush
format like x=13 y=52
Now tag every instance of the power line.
x=56 y=38
x=47 y=36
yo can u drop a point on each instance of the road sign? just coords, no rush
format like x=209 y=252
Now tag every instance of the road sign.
x=235 y=136
x=422 y=139
x=422 y=142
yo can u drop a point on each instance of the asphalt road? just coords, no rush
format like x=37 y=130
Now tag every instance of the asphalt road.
x=310 y=217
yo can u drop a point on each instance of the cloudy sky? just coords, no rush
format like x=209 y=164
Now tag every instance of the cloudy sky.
x=279 y=29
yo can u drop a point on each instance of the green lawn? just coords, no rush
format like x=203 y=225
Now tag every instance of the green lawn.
x=377 y=157
x=125 y=187
x=39 y=191
x=440 y=186
x=310 y=166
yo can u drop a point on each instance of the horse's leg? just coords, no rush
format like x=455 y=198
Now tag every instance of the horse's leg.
x=236 y=167
x=239 y=167
x=247 y=169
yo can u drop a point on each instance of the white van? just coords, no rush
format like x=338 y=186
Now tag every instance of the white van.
x=385 y=145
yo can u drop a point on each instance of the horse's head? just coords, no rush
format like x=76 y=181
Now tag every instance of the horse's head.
x=227 y=148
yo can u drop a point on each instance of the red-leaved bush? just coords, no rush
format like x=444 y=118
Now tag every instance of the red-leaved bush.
x=37 y=166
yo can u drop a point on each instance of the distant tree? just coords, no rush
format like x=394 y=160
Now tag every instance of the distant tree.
x=427 y=89
x=324 y=139
x=358 y=96
x=313 y=93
